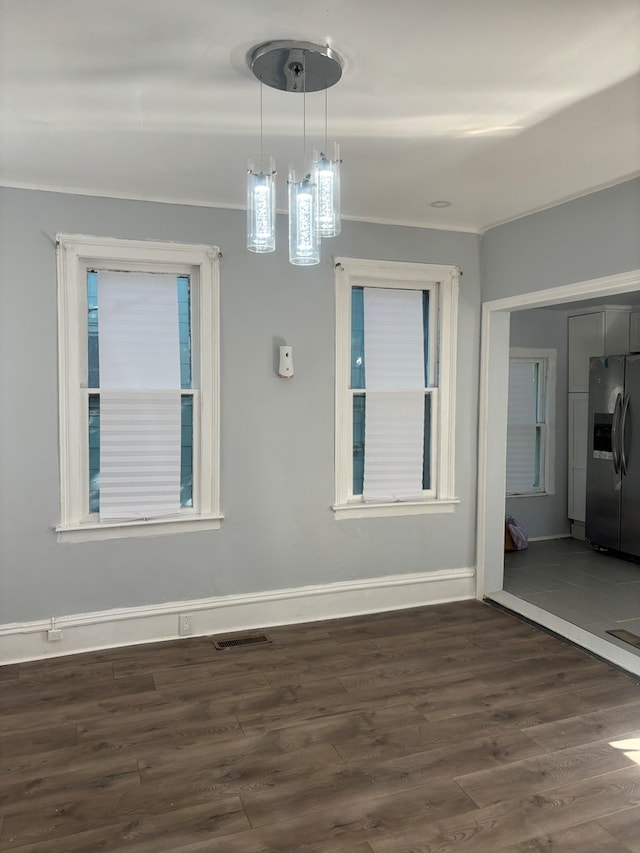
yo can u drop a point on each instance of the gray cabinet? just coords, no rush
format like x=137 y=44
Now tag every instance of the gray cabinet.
x=595 y=333
x=634 y=331
x=578 y=431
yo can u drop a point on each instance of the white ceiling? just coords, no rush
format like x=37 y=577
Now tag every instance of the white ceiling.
x=501 y=107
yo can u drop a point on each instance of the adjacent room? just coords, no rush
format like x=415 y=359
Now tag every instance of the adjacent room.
x=589 y=583
x=298 y=304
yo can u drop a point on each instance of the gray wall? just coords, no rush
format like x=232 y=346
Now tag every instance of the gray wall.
x=543 y=328
x=583 y=239
x=590 y=237
x=277 y=435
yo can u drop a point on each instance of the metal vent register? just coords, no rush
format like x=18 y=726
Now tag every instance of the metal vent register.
x=233 y=642
x=627 y=637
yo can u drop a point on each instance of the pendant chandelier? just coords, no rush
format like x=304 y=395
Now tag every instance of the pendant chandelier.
x=314 y=185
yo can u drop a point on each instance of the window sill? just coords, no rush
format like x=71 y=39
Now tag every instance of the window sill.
x=361 y=510
x=528 y=495
x=93 y=532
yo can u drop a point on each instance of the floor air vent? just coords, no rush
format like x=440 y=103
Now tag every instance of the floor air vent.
x=627 y=637
x=234 y=642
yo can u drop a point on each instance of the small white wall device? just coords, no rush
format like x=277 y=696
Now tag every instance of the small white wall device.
x=286 y=362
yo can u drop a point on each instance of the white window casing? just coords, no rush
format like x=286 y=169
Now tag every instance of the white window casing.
x=542 y=400
x=442 y=284
x=76 y=255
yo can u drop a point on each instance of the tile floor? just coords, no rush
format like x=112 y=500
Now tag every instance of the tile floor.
x=566 y=577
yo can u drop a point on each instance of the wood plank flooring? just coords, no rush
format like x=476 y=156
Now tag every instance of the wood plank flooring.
x=454 y=727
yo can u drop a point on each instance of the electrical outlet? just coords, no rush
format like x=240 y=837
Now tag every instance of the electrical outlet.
x=184 y=624
x=54 y=635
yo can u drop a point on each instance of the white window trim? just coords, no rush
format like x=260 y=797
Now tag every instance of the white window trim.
x=350 y=273
x=549 y=359
x=75 y=254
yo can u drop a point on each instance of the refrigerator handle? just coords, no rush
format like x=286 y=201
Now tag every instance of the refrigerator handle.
x=623 y=425
x=614 y=434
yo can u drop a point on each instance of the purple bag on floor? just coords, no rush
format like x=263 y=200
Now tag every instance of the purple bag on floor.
x=518 y=534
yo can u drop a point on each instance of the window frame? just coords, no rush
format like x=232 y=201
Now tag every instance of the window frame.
x=443 y=284
x=76 y=254
x=547 y=359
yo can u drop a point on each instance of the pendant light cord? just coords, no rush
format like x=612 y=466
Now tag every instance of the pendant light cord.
x=326 y=119
x=304 y=108
x=261 y=149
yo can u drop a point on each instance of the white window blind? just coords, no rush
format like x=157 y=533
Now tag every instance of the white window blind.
x=139 y=454
x=395 y=380
x=394 y=435
x=523 y=452
x=140 y=425
x=394 y=339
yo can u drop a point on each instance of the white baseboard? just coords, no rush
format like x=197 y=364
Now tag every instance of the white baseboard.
x=553 y=536
x=577 y=530
x=83 y=632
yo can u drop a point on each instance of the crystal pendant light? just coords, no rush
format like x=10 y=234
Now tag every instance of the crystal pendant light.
x=304 y=235
x=300 y=67
x=261 y=205
x=326 y=173
x=261 y=200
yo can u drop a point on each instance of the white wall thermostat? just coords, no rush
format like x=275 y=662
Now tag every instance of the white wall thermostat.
x=286 y=362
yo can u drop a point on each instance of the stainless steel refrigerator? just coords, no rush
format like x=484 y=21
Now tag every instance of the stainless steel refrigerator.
x=613 y=460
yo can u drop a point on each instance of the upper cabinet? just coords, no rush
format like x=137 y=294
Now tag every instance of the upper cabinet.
x=586 y=338
x=634 y=331
x=595 y=333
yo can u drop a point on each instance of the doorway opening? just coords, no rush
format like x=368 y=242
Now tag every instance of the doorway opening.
x=494 y=380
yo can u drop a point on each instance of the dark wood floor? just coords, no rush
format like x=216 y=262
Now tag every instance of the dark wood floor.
x=455 y=727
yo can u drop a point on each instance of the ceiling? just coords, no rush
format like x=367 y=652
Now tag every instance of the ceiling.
x=501 y=107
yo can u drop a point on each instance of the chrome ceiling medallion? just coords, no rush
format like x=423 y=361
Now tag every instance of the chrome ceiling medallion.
x=296 y=66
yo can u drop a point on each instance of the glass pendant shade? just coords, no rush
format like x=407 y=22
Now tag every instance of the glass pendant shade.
x=326 y=173
x=261 y=205
x=304 y=235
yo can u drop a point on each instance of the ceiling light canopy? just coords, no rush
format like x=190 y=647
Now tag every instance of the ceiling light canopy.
x=296 y=66
x=314 y=186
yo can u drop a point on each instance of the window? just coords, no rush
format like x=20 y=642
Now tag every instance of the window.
x=530 y=422
x=395 y=388
x=139 y=399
